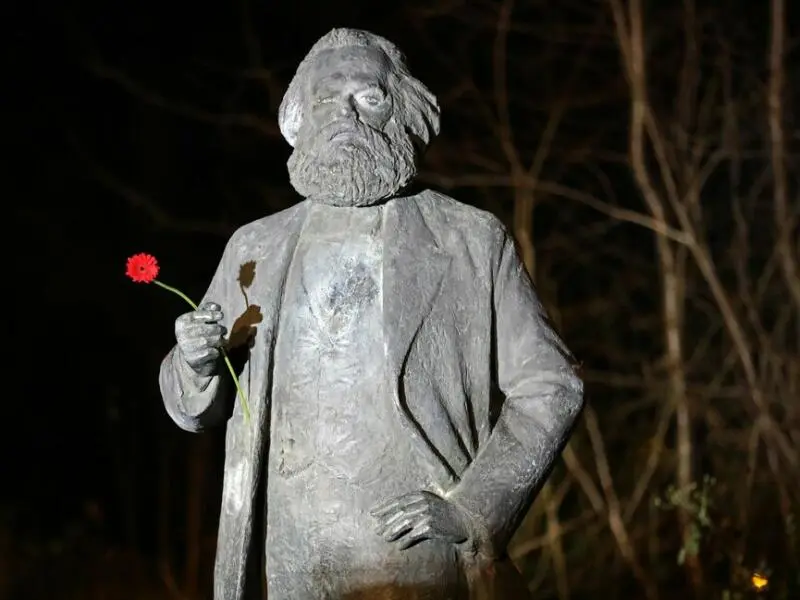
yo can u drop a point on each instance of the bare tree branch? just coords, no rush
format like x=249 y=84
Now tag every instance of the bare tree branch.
x=139 y=201
x=784 y=221
x=247 y=121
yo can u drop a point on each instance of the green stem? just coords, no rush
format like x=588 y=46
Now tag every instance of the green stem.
x=224 y=354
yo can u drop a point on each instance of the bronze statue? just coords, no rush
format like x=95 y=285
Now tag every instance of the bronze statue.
x=375 y=457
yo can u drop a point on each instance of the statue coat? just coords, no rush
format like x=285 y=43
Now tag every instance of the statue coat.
x=461 y=316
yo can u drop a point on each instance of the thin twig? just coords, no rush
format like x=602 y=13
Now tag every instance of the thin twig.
x=615 y=520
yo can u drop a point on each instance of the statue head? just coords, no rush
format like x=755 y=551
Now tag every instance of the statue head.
x=357 y=120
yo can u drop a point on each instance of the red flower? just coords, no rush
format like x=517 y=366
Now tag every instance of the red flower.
x=142 y=268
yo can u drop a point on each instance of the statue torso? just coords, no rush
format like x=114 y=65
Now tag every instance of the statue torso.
x=337 y=448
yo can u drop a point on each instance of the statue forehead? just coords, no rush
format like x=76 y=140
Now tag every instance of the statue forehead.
x=347 y=64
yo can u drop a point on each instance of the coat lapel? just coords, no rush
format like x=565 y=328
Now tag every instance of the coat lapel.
x=413 y=270
x=246 y=443
x=273 y=256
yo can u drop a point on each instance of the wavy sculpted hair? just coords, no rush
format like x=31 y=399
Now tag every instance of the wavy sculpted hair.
x=420 y=113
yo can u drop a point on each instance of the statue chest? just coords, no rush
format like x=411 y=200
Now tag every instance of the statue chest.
x=331 y=409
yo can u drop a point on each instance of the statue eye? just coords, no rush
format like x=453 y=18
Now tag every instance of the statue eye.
x=371 y=99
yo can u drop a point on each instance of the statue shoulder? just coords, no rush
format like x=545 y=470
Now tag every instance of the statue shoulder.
x=452 y=213
x=251 y=239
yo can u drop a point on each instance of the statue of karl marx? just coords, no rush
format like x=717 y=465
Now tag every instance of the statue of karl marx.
x=375 y=463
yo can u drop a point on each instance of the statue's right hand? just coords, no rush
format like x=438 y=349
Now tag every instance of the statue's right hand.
x=200 y=337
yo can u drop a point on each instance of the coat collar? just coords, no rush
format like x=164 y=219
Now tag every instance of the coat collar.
x=413 y=268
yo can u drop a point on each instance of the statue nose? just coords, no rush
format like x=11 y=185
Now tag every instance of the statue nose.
x=346 y=107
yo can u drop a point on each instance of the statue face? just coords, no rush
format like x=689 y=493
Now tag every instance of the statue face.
x=346 y=87
x=351 y=149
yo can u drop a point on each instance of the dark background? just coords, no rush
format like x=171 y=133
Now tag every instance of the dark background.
x=151 y=127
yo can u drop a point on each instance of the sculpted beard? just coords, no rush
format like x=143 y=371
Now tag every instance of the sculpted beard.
x=360 y=169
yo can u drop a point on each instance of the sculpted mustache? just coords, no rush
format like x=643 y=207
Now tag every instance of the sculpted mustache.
x=331 y=130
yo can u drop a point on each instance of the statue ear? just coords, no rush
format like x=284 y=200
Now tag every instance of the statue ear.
x=290 y=116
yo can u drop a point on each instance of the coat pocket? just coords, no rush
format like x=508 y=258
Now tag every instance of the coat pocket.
x=294 y=441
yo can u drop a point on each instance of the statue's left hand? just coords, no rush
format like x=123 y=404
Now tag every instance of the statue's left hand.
x=419 y=516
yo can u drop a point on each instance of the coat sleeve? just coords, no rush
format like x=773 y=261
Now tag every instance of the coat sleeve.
x=195 y=402
x=543 y=398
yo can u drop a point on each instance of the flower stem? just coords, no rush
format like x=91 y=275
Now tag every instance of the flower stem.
x=224 y=354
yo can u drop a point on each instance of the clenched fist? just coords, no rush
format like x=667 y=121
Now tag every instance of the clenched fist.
x=201 y=338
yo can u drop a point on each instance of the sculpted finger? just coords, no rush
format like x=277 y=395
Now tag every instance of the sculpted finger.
x=398 y=530
x=202 y=330
x=186 y=322
x=199 y=347
x=201 y=355
x=412 y=540
x=384 y=520
x=386 y=507
x=206 y=316
x=413 y=502
x=192 y=343
x=183 y=320
x=399 y=503
x=205 y=313
x=418 y=534
x=388 y=521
